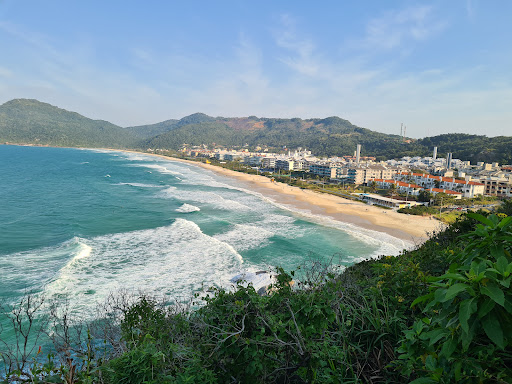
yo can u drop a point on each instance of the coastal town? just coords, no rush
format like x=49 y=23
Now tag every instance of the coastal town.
x=403 y=183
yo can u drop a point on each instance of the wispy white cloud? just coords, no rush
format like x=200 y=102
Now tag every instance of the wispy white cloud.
x=155 y=85
x=394 y=28
x=300 y=51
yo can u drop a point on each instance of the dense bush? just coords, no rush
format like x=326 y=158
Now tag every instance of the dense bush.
x=466 y=334
x=419 y=210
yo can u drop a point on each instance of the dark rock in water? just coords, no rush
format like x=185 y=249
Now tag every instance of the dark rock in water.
x=262 y=291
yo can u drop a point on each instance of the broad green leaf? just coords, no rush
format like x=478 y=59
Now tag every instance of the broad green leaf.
x=502 y=264
x=453 y=276
x=467 y=307
x=423 y=380
x=421 y=299
x=435 y=335
x=453 y=291
x=493 y=330
x=481 y=219
x=505 y=222
x=494 y=292
x=467 y=338
x=449 y=346
x=508 y=305
x=458 y=369
x=506 y=282
x=439 y=295
x=496 y=251
x=485 y=307
x=430 y=363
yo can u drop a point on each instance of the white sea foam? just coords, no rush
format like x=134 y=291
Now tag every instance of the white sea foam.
x=244 y=237
x=177 y=259
x=216 y=200
x=84 y=251
x=157 y=167
x=187 y=208
x=31 y=270
x=141 y=185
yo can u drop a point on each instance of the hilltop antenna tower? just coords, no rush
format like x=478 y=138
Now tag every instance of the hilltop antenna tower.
x=405 y=129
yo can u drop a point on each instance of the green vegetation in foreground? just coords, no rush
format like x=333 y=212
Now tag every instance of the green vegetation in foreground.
x=25 y=121
x=439 y=314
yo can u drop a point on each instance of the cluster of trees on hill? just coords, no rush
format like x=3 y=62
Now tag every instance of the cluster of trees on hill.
x=33 y=122
x=439 y=314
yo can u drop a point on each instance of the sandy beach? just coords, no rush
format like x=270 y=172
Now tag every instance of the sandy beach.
x=414 y=229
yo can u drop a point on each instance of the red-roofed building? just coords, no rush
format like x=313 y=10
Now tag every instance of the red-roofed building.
x=401 y=186
x=467 y=188
x=435 y=191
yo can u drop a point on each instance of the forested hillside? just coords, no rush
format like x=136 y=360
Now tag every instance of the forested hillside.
x=33 y=122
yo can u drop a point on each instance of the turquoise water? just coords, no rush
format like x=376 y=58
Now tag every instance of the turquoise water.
x=80 y=224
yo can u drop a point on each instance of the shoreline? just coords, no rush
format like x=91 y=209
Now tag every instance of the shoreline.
x=410 y=228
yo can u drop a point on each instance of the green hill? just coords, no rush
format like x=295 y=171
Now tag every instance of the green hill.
x=33 y=122
x=151 y=130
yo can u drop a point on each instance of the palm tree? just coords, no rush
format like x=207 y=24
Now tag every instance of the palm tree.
x=373 y=186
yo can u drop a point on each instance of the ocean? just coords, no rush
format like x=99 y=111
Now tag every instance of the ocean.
x=77 y=225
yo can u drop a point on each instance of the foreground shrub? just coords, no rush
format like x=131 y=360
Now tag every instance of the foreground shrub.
x=466 y=335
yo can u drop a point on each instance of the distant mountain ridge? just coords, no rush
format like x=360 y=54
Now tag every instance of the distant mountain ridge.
x=33 y=122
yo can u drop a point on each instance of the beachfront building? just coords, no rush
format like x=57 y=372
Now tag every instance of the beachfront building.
x=388 y=202
x=253 y=161
x=323 y=169
x=268 y=162
x=285 y=164
x=401 y=187
x=365 y=173
x=468 y=189
x=435 y=191
x=301 y=165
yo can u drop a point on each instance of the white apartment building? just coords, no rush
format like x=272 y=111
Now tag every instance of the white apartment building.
x=268 y=162
x=323 y=170
x=364 y=174
x=285 y=164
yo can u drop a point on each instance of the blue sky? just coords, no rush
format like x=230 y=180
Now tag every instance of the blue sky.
x=436 y=66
